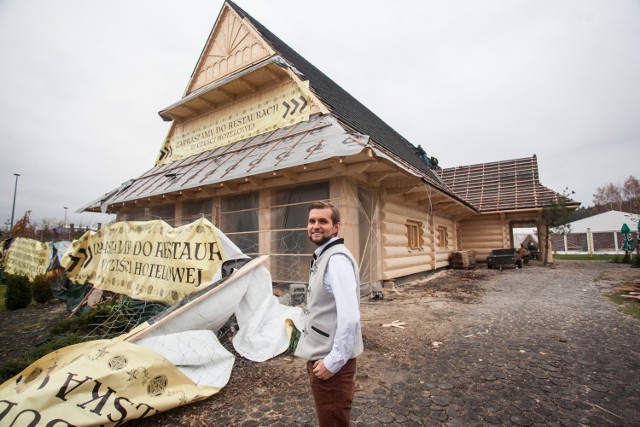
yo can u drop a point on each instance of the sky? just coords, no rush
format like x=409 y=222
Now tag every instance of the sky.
x=82 y=81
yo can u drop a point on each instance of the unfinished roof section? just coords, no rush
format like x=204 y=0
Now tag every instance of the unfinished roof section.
x=248 y=162
x=501 y=186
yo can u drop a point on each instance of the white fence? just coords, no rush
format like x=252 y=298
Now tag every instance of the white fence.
x=603 y=242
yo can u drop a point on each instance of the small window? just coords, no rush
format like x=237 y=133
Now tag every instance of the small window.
x=442 y=236
x=414 y=234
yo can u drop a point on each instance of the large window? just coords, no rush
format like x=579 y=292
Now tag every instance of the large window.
x=196 y=209
x=239 y=221
x=167 y=213
x=290 y=245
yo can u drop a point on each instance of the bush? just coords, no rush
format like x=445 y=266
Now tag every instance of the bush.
x=42 y=291
x=18 y=292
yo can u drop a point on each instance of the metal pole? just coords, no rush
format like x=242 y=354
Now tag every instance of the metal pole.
x=15 y=190
x=65 y=216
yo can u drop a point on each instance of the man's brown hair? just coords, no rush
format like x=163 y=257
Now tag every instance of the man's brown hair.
x=335 y=213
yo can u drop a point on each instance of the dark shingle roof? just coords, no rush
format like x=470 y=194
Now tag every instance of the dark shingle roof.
x=501 y=186
x=344 y=106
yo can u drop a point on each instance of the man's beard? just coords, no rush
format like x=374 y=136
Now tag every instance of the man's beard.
x=322 y=241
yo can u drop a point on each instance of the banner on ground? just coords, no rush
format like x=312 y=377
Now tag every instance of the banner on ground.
x=27 y=257
x=175 y=361
x=150 y=260
x=103 y=382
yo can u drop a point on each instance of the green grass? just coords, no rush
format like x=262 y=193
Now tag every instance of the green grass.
x=586 y=257
x=632 y=308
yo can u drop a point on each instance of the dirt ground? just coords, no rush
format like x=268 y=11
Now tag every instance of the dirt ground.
x=436 y=298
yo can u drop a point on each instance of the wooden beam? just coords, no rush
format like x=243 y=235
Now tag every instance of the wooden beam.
x=290 y=175
x=226 y=94
x=258 y=182
x=378 y=176
x=399 y=190
x=416 y=197
x=229 y=185
x=251 y=87
x=276 y=78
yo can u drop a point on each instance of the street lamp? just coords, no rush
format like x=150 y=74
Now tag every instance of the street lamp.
x=65 y=217
x=15 y=190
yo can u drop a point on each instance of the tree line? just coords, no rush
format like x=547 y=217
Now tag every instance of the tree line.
x=623 y=197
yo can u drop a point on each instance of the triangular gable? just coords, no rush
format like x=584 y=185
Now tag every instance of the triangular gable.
x=232 y=45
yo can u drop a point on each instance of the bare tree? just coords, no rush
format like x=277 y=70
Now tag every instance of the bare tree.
x=631 y=193
x=610 y=195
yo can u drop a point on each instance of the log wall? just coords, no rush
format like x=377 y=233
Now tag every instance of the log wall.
x=398 y=259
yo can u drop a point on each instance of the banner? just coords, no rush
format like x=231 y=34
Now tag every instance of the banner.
x=102 y=382
x=266 y=112
x=175 y=361
x=149 y=260
x=27 y=257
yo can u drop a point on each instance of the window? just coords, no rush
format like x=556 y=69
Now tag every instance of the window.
x=414 y=234
x=239 y=221
x=196 y=209
x=290 y=246
x=442 y=236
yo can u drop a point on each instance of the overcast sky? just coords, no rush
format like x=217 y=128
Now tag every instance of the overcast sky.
x=81 y=83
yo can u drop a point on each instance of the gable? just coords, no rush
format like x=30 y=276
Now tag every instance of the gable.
x=232 y=45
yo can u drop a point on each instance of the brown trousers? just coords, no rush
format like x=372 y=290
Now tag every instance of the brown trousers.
x=333 y=397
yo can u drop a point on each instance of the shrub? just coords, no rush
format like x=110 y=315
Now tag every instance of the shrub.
x=42 y=291
x=18 y=292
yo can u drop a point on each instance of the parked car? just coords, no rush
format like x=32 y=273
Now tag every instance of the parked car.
x=499 y=258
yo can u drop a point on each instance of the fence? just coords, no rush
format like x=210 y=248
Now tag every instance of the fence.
x=604 y=242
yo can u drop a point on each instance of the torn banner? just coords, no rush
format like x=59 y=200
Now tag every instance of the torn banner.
x=150 y=260
x=174 y=360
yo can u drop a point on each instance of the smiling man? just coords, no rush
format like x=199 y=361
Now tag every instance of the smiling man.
x=332 y=338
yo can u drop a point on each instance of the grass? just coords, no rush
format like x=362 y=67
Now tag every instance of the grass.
x=585 y=257
x=631 y=308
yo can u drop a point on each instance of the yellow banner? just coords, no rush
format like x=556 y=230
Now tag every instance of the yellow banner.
x=104 y=382
x=147 y=260
x=27 y=257
x=266 y=112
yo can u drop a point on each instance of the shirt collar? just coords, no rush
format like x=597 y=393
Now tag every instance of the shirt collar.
x=320 y=249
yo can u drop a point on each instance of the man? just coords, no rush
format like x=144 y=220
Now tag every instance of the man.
x=331 y=339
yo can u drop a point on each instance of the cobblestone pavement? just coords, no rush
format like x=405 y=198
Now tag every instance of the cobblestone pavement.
x=540 y=347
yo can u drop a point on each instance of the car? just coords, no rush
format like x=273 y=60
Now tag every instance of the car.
x=499 y=258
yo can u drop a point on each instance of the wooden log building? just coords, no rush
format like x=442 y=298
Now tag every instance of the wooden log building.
x=260 y=133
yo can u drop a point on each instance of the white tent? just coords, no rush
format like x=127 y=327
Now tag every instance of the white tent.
x=607 y=221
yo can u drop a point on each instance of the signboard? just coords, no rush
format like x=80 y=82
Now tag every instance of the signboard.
x=148 y=260
x=274 y=109
x=27 y=257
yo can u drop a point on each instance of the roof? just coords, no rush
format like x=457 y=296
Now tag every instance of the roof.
x=320 y=138
x=606 y=221
x=502 y=185
x=343 y=105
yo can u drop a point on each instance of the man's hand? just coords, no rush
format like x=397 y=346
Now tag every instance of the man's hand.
x=321 y=371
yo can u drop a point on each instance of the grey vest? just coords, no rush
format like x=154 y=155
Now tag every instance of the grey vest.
x=316 y=340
